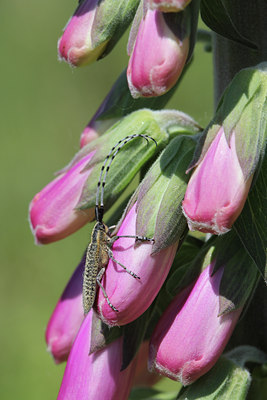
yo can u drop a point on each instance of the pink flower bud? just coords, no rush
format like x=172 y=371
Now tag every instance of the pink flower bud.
x=168 y=5
x=94 y=129
x=52 y=211
x=67 y=318
x=217 y=190
x=158 y=57
x=190 y=336
x=129 y=295
x=95 y=376
x=75 y=46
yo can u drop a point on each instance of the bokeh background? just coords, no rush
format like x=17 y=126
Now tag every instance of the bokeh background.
x=44 y=107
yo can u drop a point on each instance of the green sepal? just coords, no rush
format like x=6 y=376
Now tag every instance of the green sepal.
x=160 y=195
x=197 y=260
x=218 y=16
x=242 y=110
x=240 y=275
x=111 y=20
x=133 y=336
x=251 y=226
x=258 y=388
x=244 y=354
x=225 y=381
x=127 y=162
x=101 y=334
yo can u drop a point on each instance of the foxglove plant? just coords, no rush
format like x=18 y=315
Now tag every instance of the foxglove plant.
x=188 y=292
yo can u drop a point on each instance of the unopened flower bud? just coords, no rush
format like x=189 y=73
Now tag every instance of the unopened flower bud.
x=132 y=296
x=168 y=5
x=53 y=215
x=158 y=54
x=228 y=154
x=66 y=318
x=217 y=190
x=190 y=336
x=98 y=375
x=75 y=45
x=94 y=29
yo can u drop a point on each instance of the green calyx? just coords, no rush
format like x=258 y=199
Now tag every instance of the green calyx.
x=160 y=195
x=127 y=162
x=111 y=20
x=226 y=380
x=241 y=111
x=240 y=276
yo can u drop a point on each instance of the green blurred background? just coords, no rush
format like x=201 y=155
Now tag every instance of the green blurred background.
x=44 y=107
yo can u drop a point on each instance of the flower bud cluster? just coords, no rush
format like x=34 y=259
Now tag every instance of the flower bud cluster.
x=200 y=180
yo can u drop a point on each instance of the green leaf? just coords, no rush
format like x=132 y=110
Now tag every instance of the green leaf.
x=225 y=381
x=101 y=334
x=218 y=16
x=240 y=275
x=246 y=354
x=133 y=335
x=251 y=226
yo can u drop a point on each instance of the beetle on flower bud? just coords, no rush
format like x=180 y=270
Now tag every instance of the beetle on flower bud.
x=147 y=216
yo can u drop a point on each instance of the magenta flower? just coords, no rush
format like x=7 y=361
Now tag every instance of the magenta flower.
x=67 y=318
x=52 y=211
x=190 y=336
x=158 y=57
x=217 y=190
x=75 y=46
x=168 y=5
x=95 y=376
x=129 y=295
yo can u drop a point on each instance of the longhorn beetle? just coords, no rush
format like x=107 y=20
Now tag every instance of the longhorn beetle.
x=99 y=250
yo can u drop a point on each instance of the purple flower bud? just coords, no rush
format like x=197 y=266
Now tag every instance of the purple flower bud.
x=217 y=190
x=75 y=45
x=168 y=5
x=158 y=56
x=129 y=295
x=67 y=318
x=190 y=336
x=98 y=375
x=52 y=211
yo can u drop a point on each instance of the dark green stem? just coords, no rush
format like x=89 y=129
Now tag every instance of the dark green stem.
x=250 y=19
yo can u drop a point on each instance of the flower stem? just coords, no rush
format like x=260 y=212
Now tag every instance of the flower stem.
x=229 y=57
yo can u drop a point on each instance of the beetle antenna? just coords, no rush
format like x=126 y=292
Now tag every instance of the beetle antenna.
x=99 y=209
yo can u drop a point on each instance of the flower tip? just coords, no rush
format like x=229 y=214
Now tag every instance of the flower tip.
x=206 y=227
x=58 y=356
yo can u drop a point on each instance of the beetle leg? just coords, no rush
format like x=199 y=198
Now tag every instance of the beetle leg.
x=136 y=237
x=98 y=280
x=110 y=254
